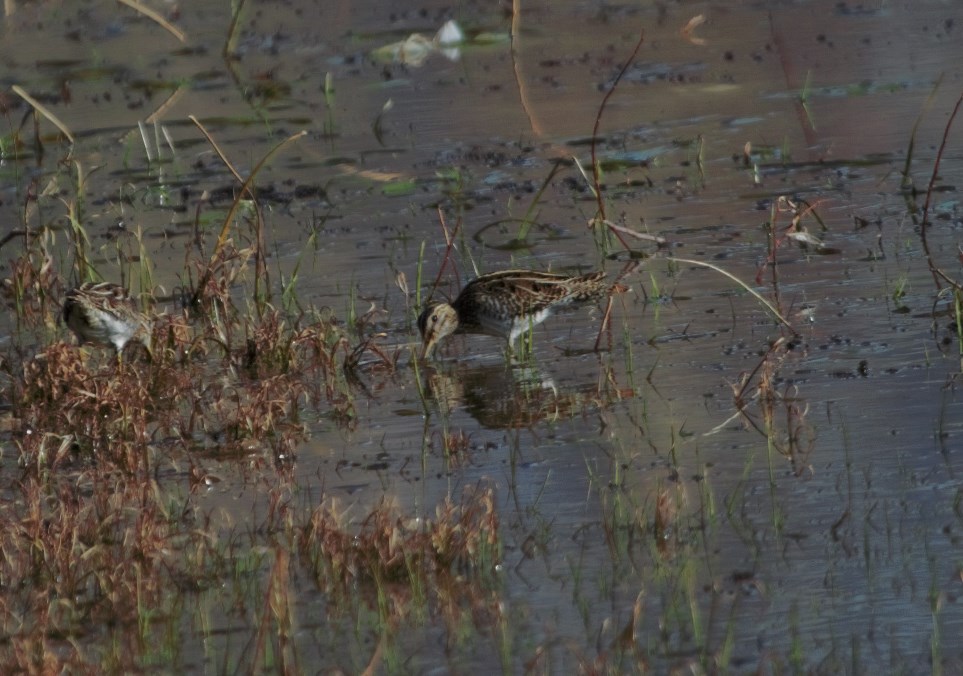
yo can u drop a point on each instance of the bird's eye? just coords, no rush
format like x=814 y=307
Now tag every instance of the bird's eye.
x=434 y=318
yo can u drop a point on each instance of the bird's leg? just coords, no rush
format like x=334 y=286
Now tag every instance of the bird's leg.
x=527 y=343
x=510 y=352
x=118 y=359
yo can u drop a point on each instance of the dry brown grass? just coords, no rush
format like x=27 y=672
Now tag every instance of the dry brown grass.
x=103 y=542
x=448 y=558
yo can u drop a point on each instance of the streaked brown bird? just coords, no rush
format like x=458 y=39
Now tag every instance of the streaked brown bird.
x=507 y=304
x=104 y=314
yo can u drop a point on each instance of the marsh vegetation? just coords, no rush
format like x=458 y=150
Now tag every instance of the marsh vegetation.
x=746 y=461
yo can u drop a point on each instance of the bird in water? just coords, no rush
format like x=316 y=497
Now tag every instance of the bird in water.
x=509 y=303
x=104 y=314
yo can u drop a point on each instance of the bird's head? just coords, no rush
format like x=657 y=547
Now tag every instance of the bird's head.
x=435 y=322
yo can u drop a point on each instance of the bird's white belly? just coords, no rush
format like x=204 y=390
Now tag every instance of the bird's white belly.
x=521 y=325
x=109 y=330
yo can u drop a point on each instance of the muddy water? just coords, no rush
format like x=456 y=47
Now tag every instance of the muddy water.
x=842 y=557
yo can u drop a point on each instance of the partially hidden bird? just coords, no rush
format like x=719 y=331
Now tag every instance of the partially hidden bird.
x=509 y=303
x=103 y=313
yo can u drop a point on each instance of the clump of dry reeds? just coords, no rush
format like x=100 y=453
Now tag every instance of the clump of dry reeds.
x=447 y=556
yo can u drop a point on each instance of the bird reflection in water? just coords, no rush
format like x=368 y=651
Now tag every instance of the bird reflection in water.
x=499 y=397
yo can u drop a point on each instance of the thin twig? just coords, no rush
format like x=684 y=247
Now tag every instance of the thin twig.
x=245 y=189
x=595 y=131
x=773 y=250
x=449 y=245
x=156 y=18
x=40 y=108
x=745 y=286
x=635 y=233
x=517 y=68
x=228 y=49
x=792 y=82
x=934 y=269
x=907 y=179
x=616 y=287
x=529 y=217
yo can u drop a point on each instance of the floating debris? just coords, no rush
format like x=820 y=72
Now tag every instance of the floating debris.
x=416 y=48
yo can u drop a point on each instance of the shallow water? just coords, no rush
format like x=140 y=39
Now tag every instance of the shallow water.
x=844 y=557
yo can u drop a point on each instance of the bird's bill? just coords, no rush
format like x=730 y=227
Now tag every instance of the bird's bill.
x=436 y=322
x=429 y=344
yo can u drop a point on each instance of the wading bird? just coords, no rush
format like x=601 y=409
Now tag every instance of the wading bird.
x=507 y=304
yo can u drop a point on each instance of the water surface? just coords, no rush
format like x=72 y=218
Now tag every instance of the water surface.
x=841 y=556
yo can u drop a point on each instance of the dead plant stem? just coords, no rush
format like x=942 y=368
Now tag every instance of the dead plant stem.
x=595 y=134
x=924 y=224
